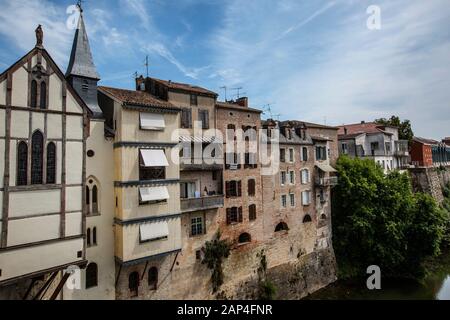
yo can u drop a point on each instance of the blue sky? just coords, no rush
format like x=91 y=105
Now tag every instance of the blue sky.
x=312 y=60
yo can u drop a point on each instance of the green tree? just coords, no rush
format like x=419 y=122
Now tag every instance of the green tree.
x=377 y=220
x=215 y=252
x=405 y=131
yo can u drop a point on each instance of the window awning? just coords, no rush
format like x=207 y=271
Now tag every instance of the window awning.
x=203 y=139
x=154 y=231
x=326 y=167
x=153 y=194
x=154 y=158
x=152 y=121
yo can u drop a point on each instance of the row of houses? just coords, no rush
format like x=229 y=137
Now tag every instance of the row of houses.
x=108 y=193
x=426 y=153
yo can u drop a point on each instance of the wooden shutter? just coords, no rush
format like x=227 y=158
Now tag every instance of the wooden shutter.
x=228 y=216
x=240 y=218
x=227 y=189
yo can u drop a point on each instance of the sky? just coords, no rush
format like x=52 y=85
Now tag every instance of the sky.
x=309 y=60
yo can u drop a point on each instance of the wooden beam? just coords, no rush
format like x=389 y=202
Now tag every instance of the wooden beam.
x=46 y=285
x=60 y=285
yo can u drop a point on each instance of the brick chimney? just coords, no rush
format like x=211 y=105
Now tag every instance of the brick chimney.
x=243 y=102
x=140 y=84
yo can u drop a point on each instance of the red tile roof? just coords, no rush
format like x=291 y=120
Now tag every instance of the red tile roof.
x=185 y=87
x=236 y=107
x=366 y=127
x=140 y=98
x=425 y=141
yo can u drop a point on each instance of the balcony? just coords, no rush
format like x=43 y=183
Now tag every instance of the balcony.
x=326 y=182
x=199 y=165
x=401 y=148
x=204 y=203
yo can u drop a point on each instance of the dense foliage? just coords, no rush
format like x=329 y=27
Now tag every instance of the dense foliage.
x=404 y=127
x=378 y=220
x=214 y=253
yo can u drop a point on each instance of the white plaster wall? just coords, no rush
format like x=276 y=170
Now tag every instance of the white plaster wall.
x=73 y=224
x=55 y=93
x=20 y=88
x=101 y=168
x=72 y=104
x=37 y=122
x=33 y=230
x=54 y=126
x=12 y=162
x=3 y=92
x=2 y=161
x=73 y=198
x=2 y=121
x=74 y=162
x=74 y=127
x=19 y=124
x=34 y=202
x=28 y=260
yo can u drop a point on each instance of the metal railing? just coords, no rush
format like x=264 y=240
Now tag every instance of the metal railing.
x=326 y=181
x=210 y=202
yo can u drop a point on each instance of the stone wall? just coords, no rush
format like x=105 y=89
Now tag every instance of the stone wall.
x=430 y=180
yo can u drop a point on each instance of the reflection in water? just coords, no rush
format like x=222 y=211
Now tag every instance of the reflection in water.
x=444 y=292
x=434 y=287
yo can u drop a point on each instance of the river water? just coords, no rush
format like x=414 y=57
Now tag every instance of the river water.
x=435 y=287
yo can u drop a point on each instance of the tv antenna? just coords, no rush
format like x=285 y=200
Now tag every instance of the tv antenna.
x=146 y=64
x=268 y=110
x=238 y=92
x=224 y=88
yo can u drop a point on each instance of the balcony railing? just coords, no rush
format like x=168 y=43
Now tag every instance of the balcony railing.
x=199 y=165
x=194 y=204
x=326 y=182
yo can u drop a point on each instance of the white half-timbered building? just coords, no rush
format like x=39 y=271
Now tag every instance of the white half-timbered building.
x=44 y=125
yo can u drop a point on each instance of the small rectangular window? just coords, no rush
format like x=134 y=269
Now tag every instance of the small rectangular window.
x=196 y=226
x=292 y=198
x=194 y=100
x=284 y=201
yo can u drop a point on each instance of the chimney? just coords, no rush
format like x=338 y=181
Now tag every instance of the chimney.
x=345 y=130
x=140 y=84
x=363 y=122
x=243 y=102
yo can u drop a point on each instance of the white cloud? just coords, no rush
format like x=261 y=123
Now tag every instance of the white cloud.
x=332 y=66
x=19 y=19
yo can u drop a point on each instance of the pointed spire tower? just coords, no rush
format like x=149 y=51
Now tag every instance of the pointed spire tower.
x=81 y=72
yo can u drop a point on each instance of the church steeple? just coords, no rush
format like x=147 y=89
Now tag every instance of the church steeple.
x=81 y=72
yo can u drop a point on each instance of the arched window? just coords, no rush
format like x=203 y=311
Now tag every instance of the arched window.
x=51 y=163
x=22 y=164
x=33 y=95
x=94 y=236
x=94 y=199
x=153 y=278
x=307 y=219
x=37 y=150
x=88 y=200
x=88 y=237
x=133 y=284
x=43 y=104
x=91 y=275
x=92 y=196
x=245 y=238
x=282 y=226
